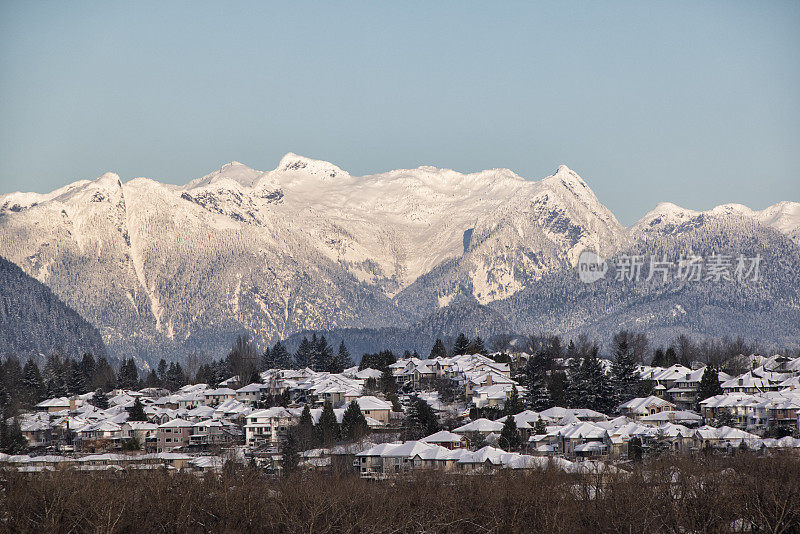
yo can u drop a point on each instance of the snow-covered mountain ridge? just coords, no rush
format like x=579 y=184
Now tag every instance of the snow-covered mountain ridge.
x=308 y=246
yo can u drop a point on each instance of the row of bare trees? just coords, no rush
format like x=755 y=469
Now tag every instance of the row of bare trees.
x=743 y=493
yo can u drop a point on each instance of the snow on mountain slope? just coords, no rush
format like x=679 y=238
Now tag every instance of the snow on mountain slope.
x=669 y=219
x=308 y=246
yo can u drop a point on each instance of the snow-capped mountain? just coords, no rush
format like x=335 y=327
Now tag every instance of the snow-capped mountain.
x=669 y=219
x=164 y=269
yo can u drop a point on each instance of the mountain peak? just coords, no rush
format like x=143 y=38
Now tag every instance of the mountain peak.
x=294 y=162
x=238 y=172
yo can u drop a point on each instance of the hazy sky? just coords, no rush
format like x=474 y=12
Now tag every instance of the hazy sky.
x=696 y=103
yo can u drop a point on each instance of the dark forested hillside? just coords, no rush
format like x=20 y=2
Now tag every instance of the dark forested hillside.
x=33 y=320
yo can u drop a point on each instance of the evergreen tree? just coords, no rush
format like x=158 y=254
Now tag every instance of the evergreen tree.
x=88 y=368
x=535 y=378
x=513 y=404
x=575 y=385
x=510 y=438
x=557 y=388
x=33 y=383
x=341 y=360
x=281 y=357
x=152 y=380
x=461 y=345
x=670 y=357
x=128 y=375
x=304 y=355
x=477 y=347
x=539 y=427
x=267 y=362
x=659 y=359
x=420 y=420
x=392 y=397
x=323 y=354
x=388 y=382
x=162 y=371
x=625 y=379
x=104 y=377
x=709 y=384
x=99 y=400
x=175 y=378
x=11 y=439
x=354 y=424
x=635 y=449
x=136 y=413
x=76 y=382
x=290 y=457
x=327 y=427
x=55 y=377
x=305 y=430
x=595 y=384
x=438 y=350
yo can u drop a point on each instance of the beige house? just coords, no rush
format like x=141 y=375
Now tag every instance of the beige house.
x=173 y=434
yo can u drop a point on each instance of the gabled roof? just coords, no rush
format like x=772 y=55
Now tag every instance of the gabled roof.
x=443 y=436
x=480 y=425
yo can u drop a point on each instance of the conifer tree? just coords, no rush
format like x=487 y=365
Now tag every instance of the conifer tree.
x=304 y=355
x=327 y=427
x=625 y=379
x=281 y=357
x=99 y=400
x=136 y=413
x=539 y=427
x=33 y=383
x=290 y=457
x=152 y=380
x=420 y=420
x=597 y=392
x=670 y=357
x=513 y=404
x=354 y=424
x=709 y=384
x=659 y=358
x=341 y=360
x=88 y=368
x=128 y=375
x=438 y=350
x=162 y=371
x=461 y=345
x=266 y=362
x=12 y=441
x=477 y=347
x=323 y=354
x=510 y=438
x=104 y=376
x=305 y=429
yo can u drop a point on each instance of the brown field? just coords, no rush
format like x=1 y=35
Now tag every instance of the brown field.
x=743 y=493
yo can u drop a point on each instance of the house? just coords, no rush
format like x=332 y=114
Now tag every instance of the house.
x=173 y=434
x=267 y=426
x=375 y=408
x=481 y=426
x=446 y=439
x=57 y=404
x=577 y=434
x=250 y=393
x=213 y=397
x=643 y=406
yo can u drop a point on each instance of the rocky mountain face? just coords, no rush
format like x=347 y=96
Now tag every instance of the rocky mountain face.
x=163 y=270
x=34 y=322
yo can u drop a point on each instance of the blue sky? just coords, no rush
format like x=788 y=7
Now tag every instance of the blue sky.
x=696 y=103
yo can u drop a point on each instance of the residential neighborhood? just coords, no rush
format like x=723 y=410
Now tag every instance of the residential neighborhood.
x=480 y=417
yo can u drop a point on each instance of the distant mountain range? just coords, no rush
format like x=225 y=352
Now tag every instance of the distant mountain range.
x=164 y=270
x=35 y=323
